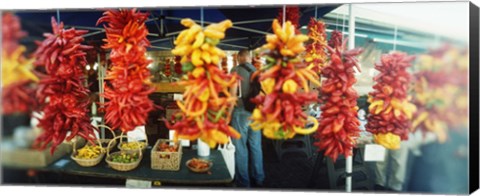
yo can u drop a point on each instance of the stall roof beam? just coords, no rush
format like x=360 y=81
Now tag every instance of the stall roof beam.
x=207 y=22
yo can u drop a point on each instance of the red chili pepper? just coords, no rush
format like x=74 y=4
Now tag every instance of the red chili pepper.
x=64 y=59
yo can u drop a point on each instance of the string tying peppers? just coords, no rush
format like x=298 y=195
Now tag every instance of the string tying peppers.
x=338 y=122
x=127 y=91
x=390 y=111
x=206 y=99
x=17 y=76
x=279 y=111
x=63 y=57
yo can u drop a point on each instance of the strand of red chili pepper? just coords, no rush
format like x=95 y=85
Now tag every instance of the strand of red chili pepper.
x=390 y=111
x=338 y=122
x=292 y=14
x=17 y=86
x=127 y=90
x=63 y=57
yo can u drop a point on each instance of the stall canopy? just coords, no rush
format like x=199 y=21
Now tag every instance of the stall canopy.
x=250 y=23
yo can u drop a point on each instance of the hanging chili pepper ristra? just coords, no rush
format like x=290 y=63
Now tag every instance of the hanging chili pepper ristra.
x=390 y=112
x=178 y=66
x=168 y=69
x=292 y=14
x=207 y=99
x=431 y=93
x=17 y=71
x=279 y=111
x=63 y=57
x=127 y=103
x=339 y=125
x=316 y=49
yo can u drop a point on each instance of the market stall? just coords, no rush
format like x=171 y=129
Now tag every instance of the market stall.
x=149 y=94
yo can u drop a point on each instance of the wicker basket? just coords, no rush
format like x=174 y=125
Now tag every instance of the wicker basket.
x=104 y=140
x=87 y=162
x=169 y=161
x=121 y=142
x=122 y=166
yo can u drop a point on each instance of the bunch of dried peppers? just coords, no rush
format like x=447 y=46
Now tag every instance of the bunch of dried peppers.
x=279 y=111
x=339 y=125
x=17 y=76
x=127 y=90
x=205 y=109
x=316 y=49
x=61 y=93
x=390 y=112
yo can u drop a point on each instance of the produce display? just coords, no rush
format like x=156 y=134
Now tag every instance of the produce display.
x=178 y=65
x=316 y=49
x=167 y=69
x=63 y=57
x=198 y=165
x=390 y=112
x=132 y=145
x=89 y=152
x=441 y=92
x=339 y=125
x=279 y=111
x=123 y=157
x=127 y=104
x=165 y=147
x=17 y=75
x=292 y=14
x=224 y=64
x=207 y=99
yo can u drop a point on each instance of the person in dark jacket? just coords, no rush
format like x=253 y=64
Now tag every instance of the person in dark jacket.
x=241 y=122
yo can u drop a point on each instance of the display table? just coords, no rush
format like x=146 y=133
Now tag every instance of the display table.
x=218 y=173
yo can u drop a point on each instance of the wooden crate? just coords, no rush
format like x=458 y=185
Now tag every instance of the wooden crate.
x=169 y=161
x=30 y=158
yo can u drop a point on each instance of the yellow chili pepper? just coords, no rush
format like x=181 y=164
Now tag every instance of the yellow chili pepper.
x=198 y=72
x=308 y=130
x=204 y=95
x=289 y=86
x=256 y=114
x=388 y=140
x=268 y=85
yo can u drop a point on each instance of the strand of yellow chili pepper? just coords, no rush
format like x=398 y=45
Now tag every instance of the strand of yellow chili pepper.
x=206 y=99
x=17 y=76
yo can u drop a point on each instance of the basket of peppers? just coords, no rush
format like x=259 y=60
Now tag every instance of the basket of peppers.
x=166 y=155
x=123 y=160
x=89 y=155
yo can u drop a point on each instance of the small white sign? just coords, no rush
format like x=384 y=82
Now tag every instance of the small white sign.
x=178 y=97
x=139 y=184
x=374 y=153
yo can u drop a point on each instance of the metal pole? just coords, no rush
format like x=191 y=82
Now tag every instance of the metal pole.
x=232 y=45
x=351 y=45
x=315 y=12
x=395 y=38
x=161 y=22
x=100 y=88
x=201 y=16
x=284 y=13
x=58 y=15
x=253 y=21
